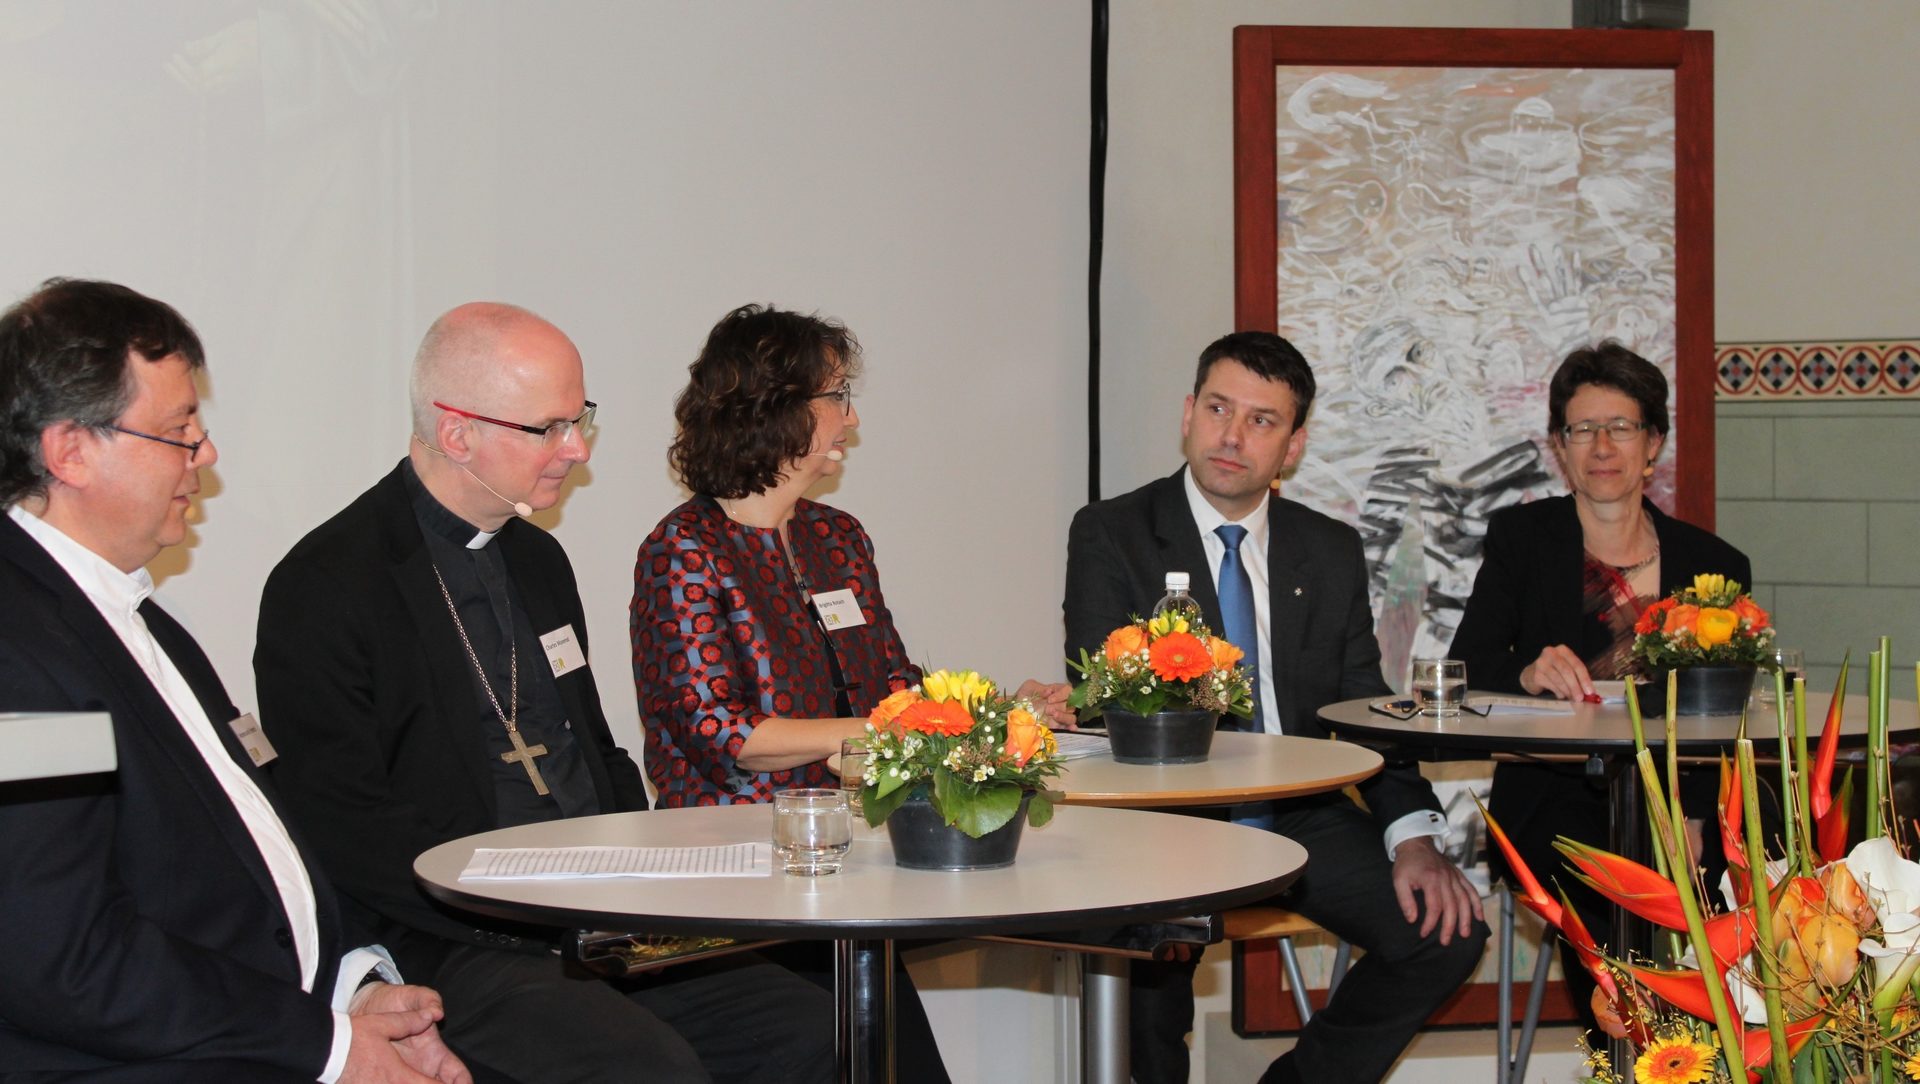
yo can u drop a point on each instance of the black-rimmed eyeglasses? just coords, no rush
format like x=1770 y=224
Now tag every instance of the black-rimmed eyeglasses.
x=1619 y=431
x=192 y=446
x=842 y=395
x=552 y=434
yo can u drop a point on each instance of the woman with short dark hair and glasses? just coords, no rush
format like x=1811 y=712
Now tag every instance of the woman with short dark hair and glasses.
x=1561 y=583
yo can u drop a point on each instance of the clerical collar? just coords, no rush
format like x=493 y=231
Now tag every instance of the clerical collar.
x=437 y=518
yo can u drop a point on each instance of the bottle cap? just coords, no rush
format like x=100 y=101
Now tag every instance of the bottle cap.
x=1178 y=581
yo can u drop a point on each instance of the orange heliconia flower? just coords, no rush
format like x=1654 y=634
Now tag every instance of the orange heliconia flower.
x=947 y=717
x=1124 y=641
x=885 y=712
x=1225 y=655
x=1025 y=735
x=1680 y=619
x=1179 y=656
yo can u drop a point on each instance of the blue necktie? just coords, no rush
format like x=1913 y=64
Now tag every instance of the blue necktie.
x=1237 y=614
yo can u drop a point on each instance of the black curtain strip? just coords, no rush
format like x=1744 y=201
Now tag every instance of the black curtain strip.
x=1096 y=239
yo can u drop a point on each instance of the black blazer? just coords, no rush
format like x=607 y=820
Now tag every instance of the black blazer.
x=1527 y=594
x=364 y=691
x=142 y=923
x=1120 y=550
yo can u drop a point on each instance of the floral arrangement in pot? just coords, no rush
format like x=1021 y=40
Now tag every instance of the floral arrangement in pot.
x=957 y=743
x=1162 y=684
x=1714 y=635
x=1809 y=971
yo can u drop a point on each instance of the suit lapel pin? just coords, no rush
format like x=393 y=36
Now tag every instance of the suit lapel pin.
x=1298 y=591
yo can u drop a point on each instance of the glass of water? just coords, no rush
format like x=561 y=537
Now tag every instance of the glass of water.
x=1439 y=685
x=812 y=830
x=853 y=771
x=1792 y=662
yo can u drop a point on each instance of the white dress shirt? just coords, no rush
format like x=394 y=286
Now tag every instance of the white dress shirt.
x=117 y=596
x=1253 y=557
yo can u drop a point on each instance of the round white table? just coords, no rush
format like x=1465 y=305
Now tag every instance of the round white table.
x=1240 y=767
x=1087 y=867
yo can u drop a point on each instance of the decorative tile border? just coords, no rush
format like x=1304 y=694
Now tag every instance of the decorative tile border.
x=1824 y=370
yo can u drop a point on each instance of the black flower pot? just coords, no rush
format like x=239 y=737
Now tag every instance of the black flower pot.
x=1704 y=690
x=1165 y=737
x=921 y=840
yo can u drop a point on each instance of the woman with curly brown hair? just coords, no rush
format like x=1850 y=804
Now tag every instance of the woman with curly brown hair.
x=761 y=640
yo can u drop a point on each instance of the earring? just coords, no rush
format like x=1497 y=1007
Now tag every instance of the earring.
x=1647 y=471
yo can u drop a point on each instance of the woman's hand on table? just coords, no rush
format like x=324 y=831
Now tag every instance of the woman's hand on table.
x=1051 y=700
x=1558 y=671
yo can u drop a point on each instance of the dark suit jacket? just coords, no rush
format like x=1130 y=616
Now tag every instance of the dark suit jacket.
x=1527 y=594
x=142 y=923
x=1119 y=552
x=364 y=691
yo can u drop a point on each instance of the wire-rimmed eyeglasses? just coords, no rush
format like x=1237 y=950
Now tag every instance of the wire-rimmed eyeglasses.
x=551 y=434
x=192 y=446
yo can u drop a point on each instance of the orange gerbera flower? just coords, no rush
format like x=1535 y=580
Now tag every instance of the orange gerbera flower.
x=885 y=712
x=1179 y=656
x=1653 y=617
x=1124 y=641
x=1225 y=655
x=947 y=717
x=1674 y=1059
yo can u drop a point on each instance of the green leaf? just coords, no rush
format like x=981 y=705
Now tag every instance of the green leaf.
x=888 y=783
x=974 y=810
x=877 y=807
x=1040 y=810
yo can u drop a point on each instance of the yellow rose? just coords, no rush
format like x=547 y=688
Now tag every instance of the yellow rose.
x=1225 y=655
x=1715 y=626
x=1709 y=584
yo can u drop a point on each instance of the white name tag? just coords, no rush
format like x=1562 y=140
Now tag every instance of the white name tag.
x=563 y=651
x=253 y=739
x=838 y=610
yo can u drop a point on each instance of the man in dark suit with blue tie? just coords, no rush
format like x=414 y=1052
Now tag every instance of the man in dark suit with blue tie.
x=1288 y=586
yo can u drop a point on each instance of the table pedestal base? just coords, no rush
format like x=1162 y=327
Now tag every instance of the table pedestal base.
x=863 y=1010
x=1105 y=982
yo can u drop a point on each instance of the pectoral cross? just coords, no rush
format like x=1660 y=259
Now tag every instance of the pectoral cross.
x=523 y=754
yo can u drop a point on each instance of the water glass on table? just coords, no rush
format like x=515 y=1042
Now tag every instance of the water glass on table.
x=812 y=829
x=853 y=771
x=1439 y=685
x=1792 y=662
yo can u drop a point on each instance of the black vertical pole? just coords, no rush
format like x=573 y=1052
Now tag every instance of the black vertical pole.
x=1096 y=228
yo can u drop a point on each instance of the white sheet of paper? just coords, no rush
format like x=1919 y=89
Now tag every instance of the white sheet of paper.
x=545 y=863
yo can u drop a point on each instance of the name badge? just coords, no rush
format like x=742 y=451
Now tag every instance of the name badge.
x=563 y=651
x=253 y=739
x=838 y=610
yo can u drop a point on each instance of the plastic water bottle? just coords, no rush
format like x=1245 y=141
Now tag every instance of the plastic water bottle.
x=1177 y=601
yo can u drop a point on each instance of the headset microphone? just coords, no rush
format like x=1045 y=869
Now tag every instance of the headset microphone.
x=520 y=508
x=832 y=454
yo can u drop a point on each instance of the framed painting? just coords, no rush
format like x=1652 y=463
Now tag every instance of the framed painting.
x=1436 y=217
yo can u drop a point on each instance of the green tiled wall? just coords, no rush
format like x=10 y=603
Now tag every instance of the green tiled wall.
x=1824 y=496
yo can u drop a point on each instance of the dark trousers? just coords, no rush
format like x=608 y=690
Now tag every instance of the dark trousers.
x=735 y=1019
x=1391 y=990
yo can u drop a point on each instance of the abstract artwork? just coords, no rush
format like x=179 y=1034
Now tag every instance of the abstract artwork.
x=1442 y=234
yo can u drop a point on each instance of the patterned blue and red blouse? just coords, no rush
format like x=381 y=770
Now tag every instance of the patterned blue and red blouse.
x=723 y=637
